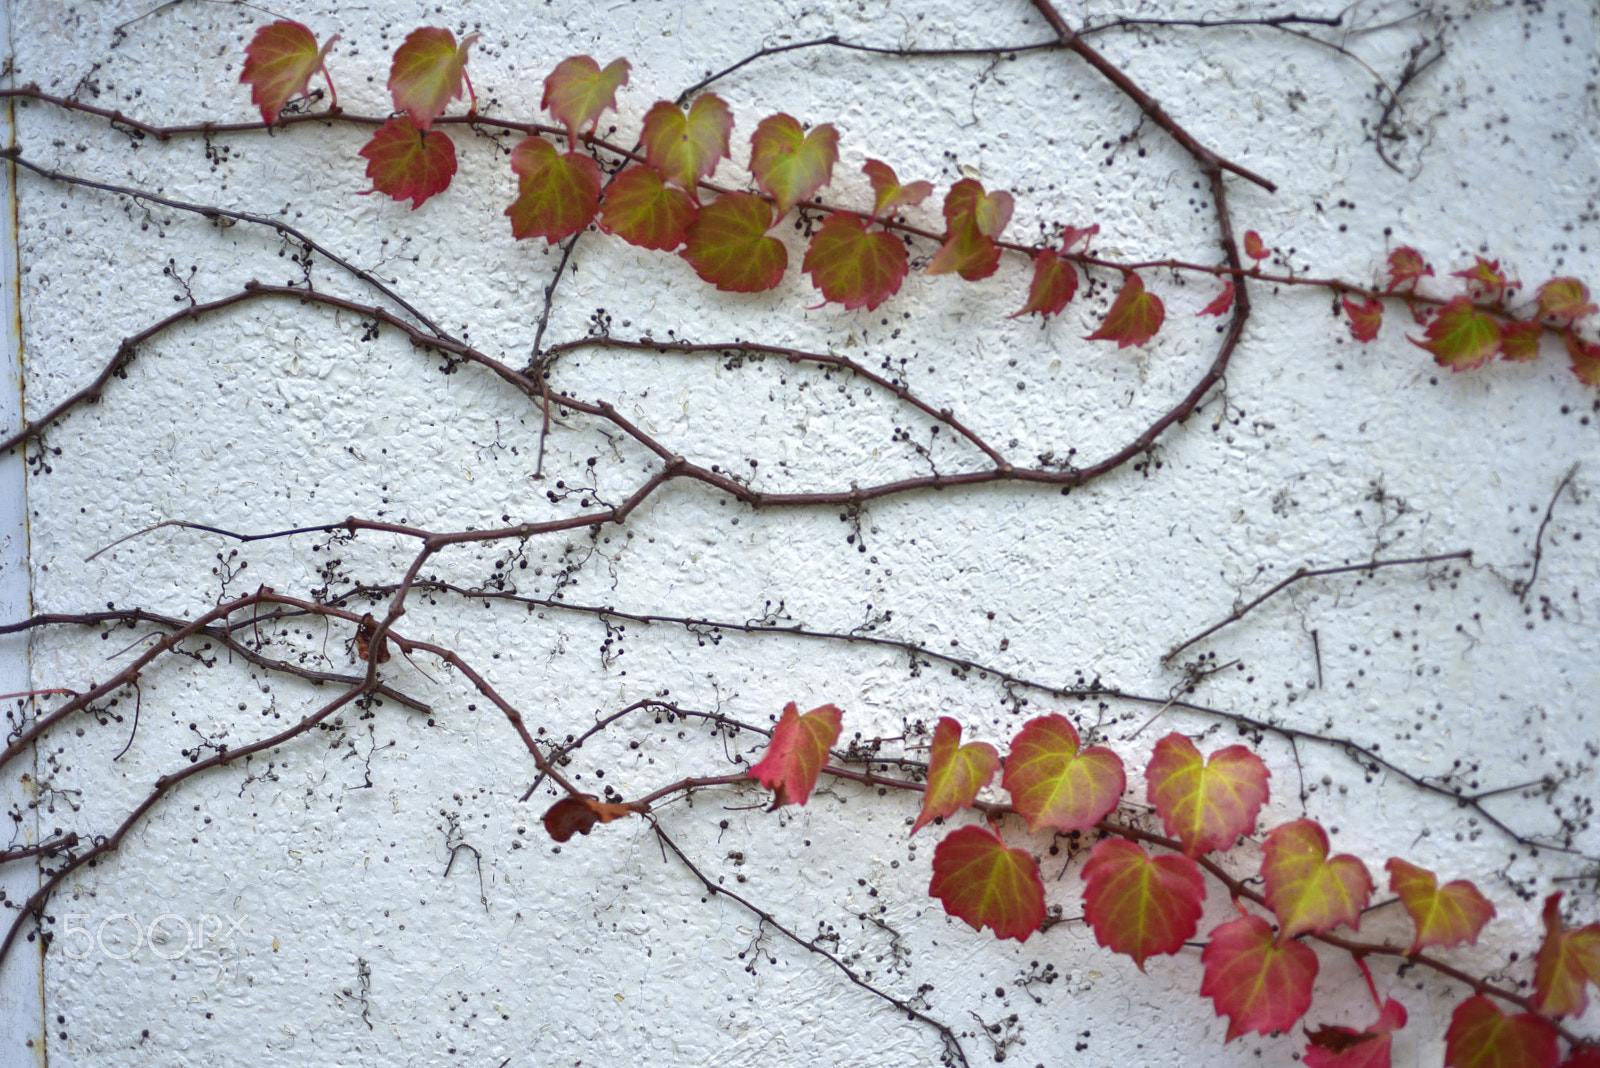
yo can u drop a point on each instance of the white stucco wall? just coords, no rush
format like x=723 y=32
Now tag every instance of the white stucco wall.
x=338 y=939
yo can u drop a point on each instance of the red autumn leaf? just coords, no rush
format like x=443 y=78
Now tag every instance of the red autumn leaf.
x=1519 y=340
x=404 y=162
x=1587 y=1057
x=1568 y=962
x=973 y=219
x=1365 y=318
x=1406 y=265
x=278 y=64
x=1484 y=277
x=1135 y=315
x=956 y=772
x=578 y=91
x=888 y=193
x=1054 y=283
x=1053 y=784
x=1345 y=1047
x=1585 y=357
x=1260 y=984
x=1223 y=302
x=578 y=815
x=1307 y=890
x=789 y=164
x=1565 y=300
x=1140 y=906
x=1071 y=235
x=797 y=752
x=729 y=246
x=850 y=265
x=642 y=209
x=1206 y=804
x=428 y=71
x=1461 y=337
x=558 y=193
x=1254 y=247
x=1481 y=1036
x=1444 y=916
x=987 y=885
x=686 y=148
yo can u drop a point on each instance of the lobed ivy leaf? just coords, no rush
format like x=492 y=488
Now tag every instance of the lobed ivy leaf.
x=686 y=148
x=578 y=815
x=1365 y=318
x=1259 y=983
x=956 y=772
x=1254 y=247
x=1071 y=235
x=1135 y=315
x=729 y=247
x=973 y=219
x=1055 y=281
x=1481 y=1036
x=888 y=193
x=1345 y=1047
x=558 y=193
x=850 y=265
x=1461 y=337
x=642 y=209
x=1140 y=906
x=988 y=885
x=427 y=73
x=278 y=64
x=1206 y=804
x=1053 y=784
x=578 y=91
x=1565 y=300
x=1519 y=340
x=1585 y=357
x=789 y=164
x=1484 y=277
x=797 y=752
x=1568 y=962
x=1406 y=266
x=1306 y=890
x=403 y=162
x=1222 y=303
x=1444 y=916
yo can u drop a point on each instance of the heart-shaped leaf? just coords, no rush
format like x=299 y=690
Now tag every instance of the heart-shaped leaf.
x=1206 y=804
x=1258 y=982
x=789 y=164
x=686 y=148
x=797 y=752
x=956 y=772
x=1135 y=315
x=278 y=64
x=1053 y=784
x=1481 y=1036
x=1568 y=962
x=1054 y=283
x=987 y=885
x=1140 y=906
x=1461 y=337
x=642 y=209
x=888 y=193
x=578 y=91
x=858 y=268
x=403 y=162
x=558 y=193
x=729 y=246
x=428 y=71
x=1444 y=916
x=1307 y=890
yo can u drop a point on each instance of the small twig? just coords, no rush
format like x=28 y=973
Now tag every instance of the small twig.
x=1538 y=540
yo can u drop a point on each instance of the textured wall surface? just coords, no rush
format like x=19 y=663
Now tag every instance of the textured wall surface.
x=379 y=893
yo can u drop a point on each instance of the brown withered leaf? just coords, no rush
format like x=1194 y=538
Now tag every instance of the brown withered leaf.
x=578 y=815
x=364 y=633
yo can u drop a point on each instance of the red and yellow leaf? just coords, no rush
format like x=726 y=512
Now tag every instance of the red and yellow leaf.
x=1519 y=340
x=1307 y=890
x=973 y=219
x=1206 y=804
x=850 y=265
x=888 y=193
x=1568 y=962
x=278 y=64
x=1071 y=235
x=1461 y=337
x=1345 y=1047
x=797 y=752
x=987 y=885
x=1564 y=300
x=1135 y=315
x=1365 y=318
x=1223 y=302
x=578 y=815
x=729 y=246
x=1585 y=357
x=1254 y=247
x=578 y=91
x=1053 y=784
x=642 y=209
x=558 y=194
x=1140 y=906
x=1484 y=277
x=1481 y=1036
x=428 y=71
x=1054 y=283
x=1257 y=982
x=1406 y=265
x=404 y=162
x=686 y=148
x=1444 y=916
x=956 y=772
x=789 y=164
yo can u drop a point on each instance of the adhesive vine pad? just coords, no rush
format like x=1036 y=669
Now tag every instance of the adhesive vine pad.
x=404 y=162
x=956 y=772
x=1206 y=804
x=427 y=73
x=1406 y=265
x=577 y=92
x=1444 y=916
x=729 y=246
x=279 y=63
x=789 y=164
x=1365 y=318
x=857 y=268
x=1135 y=315
x=1259 y=983
x=1140 y=906
x=798 y=749
x=1565 y=300
x=1055 y=281
x=1307 y=890
x=1053 y=784
x=1460 y=336
x=1568 y=962
x=686 y=148
x=1481 y=1036
x=558 y=193
x=988 y=885
x=642 y=209
x=887 y=192
x=578 y=815
x=1345 y=1047
x=973 y=219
